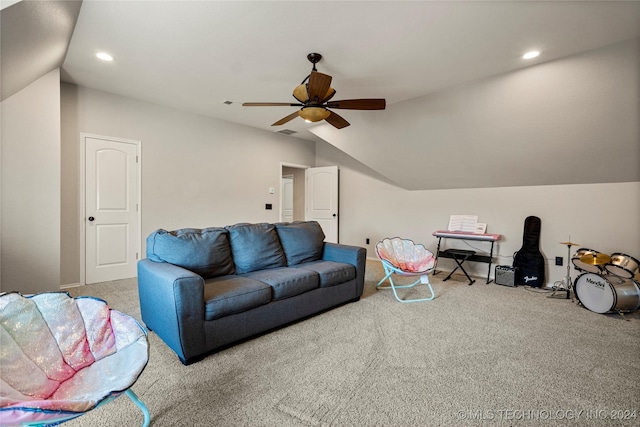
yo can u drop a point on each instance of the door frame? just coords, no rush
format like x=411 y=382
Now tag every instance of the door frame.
x=282 y=178
x=304 y=167
x=288 y=165
x=83 y=177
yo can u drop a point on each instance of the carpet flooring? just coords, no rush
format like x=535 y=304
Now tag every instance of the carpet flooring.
x=475 y=355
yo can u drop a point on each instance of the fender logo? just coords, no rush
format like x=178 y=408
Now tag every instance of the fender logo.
x=528 y=279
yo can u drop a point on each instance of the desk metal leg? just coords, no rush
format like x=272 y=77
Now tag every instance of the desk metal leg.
x=490 y=259
x=435 y=271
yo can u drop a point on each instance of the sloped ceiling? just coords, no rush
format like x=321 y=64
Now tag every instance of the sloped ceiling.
x=195 y=55
x=34 y=39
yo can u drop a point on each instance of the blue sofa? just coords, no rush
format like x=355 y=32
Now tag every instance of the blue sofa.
x=202 y=290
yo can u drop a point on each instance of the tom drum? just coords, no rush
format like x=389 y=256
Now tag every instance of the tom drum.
x=604 y=294
x=581 y=266
x=622 y=265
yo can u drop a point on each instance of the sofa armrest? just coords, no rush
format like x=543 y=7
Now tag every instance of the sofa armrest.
x=353 y=255
x=172 y=305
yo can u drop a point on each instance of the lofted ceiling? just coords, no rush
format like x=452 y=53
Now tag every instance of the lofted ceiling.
x=208 y=57
x=194 y=55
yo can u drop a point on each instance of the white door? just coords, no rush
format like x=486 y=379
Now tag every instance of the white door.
x=322 y=199
x=287 y=198
x=112 y=226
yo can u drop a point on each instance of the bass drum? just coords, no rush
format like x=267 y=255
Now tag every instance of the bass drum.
x=581 y=266
x=622 y=265
x=604 y=294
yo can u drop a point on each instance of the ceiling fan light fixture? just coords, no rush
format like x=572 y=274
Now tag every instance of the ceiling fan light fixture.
x=300 y=93
x=314 y=114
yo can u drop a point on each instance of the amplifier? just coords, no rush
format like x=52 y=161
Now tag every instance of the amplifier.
x=505 y=275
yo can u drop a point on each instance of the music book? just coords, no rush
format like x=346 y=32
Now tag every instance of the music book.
x=467 y=224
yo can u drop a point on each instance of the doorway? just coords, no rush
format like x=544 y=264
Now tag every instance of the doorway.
x=310 y=194
x=292 y=193
x=111 y=212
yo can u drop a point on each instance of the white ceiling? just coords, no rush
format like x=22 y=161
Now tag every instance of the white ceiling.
x=195 y=55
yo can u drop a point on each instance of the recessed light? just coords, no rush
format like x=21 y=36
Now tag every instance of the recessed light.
x=104 y=56
x=530 y=55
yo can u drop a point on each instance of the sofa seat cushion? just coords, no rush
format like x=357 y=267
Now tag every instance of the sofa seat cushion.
x=302 y=241
x=331 y=273
x=204 y=251
x=227 y=295
x=255 y=247
x=286 y=282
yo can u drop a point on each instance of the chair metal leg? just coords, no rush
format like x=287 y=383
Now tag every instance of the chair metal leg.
x=393 y=286
x=141 y=405
x=65 y=418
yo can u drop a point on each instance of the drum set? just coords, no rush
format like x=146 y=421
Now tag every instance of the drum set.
x=606 y=283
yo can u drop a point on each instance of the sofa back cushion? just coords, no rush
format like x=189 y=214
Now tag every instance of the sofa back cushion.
x=204 y=251
x=302 y=241
x=255 y=247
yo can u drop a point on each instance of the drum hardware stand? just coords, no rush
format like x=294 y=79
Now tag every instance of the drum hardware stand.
x=623 y=316
x=567 y=284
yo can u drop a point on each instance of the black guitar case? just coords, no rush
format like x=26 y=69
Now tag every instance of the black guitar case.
x=529 y=261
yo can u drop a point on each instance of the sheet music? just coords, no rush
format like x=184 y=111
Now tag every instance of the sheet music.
x=466 y=223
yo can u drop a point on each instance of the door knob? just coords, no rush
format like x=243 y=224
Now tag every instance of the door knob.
x=91 y=218
x=334 y=215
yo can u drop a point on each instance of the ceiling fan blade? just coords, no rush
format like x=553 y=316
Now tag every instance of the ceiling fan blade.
x=337 y=121
x=286 y=119
x=358 y=104
x=270 y=104
x=319 y=85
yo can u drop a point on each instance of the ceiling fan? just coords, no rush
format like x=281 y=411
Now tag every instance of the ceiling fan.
x=314 y=95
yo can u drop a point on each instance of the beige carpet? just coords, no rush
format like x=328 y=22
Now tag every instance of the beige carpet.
x=476 y=355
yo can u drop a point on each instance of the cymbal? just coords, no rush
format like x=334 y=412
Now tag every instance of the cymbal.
x=569 y=243
x=595 y=258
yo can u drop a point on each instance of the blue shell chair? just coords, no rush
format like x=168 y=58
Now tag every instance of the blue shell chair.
x=403 y=257
x=61 y=357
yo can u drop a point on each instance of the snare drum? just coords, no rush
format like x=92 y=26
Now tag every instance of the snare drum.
x=622 y=265
x=581 y=266
x=604 y=294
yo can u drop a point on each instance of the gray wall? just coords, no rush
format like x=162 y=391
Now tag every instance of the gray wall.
x=196 y=171
x=603 y=217
x=30 y=236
